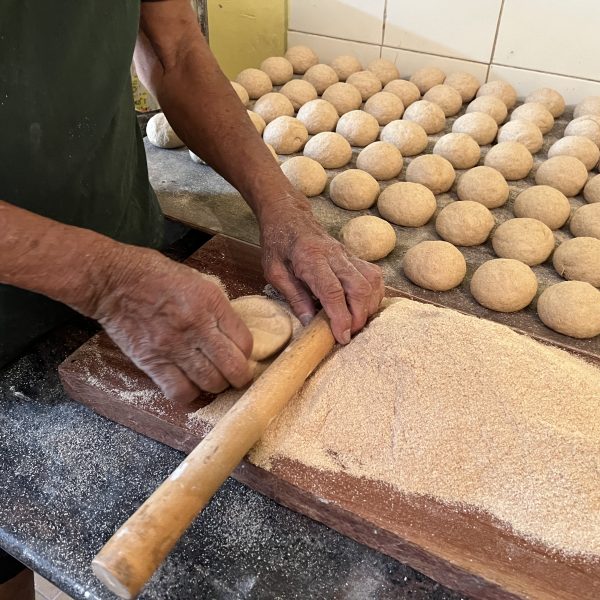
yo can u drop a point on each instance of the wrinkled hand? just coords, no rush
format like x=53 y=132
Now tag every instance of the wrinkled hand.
x=301 y=260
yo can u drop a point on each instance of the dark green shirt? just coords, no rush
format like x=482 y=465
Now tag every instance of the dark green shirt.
x=70 y=146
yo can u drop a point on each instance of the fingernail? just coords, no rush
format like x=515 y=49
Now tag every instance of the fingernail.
x=305 y=319
x=346 y=337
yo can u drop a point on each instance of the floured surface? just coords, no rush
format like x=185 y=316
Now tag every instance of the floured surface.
x=456 y=408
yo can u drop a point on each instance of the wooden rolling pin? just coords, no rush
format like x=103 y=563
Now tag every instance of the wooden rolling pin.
x=135 y=551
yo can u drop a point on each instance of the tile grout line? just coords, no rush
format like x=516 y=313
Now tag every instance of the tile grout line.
x=544 y=72
x=487 y=75
x=383 y=28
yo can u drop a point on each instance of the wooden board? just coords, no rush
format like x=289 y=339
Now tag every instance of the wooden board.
x=468 y=551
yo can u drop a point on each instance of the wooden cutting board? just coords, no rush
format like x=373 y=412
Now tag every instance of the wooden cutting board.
x=467 y=551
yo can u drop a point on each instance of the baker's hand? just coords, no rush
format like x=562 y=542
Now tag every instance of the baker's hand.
x=301 y=260
x=174 y=324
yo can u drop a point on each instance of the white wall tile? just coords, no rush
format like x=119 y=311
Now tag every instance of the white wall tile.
x=462 y=29
x=358 y=20
x=556 y=36
x=328 y=48
x=572 y=89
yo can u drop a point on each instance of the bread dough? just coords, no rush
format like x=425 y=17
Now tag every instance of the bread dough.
x=269 y=324
x=465 y=223
x=504 y=285
x=385 y=107
x=571 y=308
x=588 y=106
x=353 y=189
x=366 y=82
x=578 y=146
x=409 y=137
x=273 y=152
x=358 y=127
x=512 y=159
x=344 y=96
x=432 y=171
x=579 y=259
x=195 y=158
x=464 y=83
x=491 y=105
x=345 y=65
x=591 y=191
x=484 y=185
x=460 y=149
x=279 y=69
x=535 y=112
x=368 y=237
x=426 y=77
x=302 y=58
x=305 y=174
x=321 y=76
x=407 y=204
x=273 y=105
x=161 y=134
x=257 y=121
x=446 y=97
x=544 y=203
x=550 y=98
x=499 y=89
x=565 y=173
x=384 y=69
x=318 y=116
x=382 y=160
x=427 y=114
x=587 y=126
x=435 y=265
x=586 y=221
x=256 y=82
x=299 y=92
x=286 y=134
x=527 y=240
x=480 y=126
x=329 y=149
x=407 y=91
x=241 y=92
x=525 y=132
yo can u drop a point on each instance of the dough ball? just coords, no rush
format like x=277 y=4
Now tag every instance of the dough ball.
x=321 y=76
x=588 y=106
x=353 y=189
x=544 y=203
x=385 y=70
x=571 y=308
x=385 y=107
x=480 y=126
x=587 y=126
x=318 y=115
x=407 y=204
x=366 y=82
x=490 y=105
x=241 y=92
x=286 y=134
x=273 y=105
x=161 y=134
x=302 y=58
x=591 y=191
x=329 y=149
x=512 y=159
x=432 y=171
x=446 y=97
x=299 y=92
x=525 y=132
x=358 y=127
x=565 y=173
x=499 y=89
x=344 y=96
x=257 y=121
x=579 y=259
x=484 y=185
x=535 y=112
x=527 y=240
x=550 y=98
x=460 y=149
x=367 y=237
x=427 y=114
x=273 y=152
x=504 y=285
x=578 y=146
x=345 y=65
x=465 y=223
x=382 y=160
x=279 y=69
x=407 y=91
x=305 y=174
x=435 y=265
x=464 y=83
x=195 y=158
x=426 y=77
x=256 y=82
x=409 y=137
x=586 y=221
x=269 y=324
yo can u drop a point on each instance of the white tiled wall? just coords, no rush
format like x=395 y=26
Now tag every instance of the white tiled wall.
x=530 y=43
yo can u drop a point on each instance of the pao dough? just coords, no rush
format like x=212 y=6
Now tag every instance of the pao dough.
x=588 y=106
x=591 y=191
x=578 y=146
x=586 y=221
x=460 y=149
x=435 y=265
x=241 y=92
x=550 y=98
x=544 y=203
x=367 y=237
x=256 y=82
x=286 y=134
x=353 y=189
x=491 y=105
x=464 y=223
x=318 y=116
x=464 y=83
x=321 y=76
x=273 y=105
x=195 y=158
x=382 y=160
x=579 y=259
x=484 y=185
x=305 y=174
x=385 y=107
x=366 y=82
x=302 y=58
x=427 y=114
x=426 y=77
x=279 y=69
x=299 y=92
x=512 y=159
x=535 y=112
x=565 y=173
x=329 y=149
x=432 y=171
x=343 y=96
x=446 y=97
x=525 y=132
x=480 y=126
x=407 y=91
x=345 y=65
x=499 y=89
x=409 y=137
x=161 y=134
x=587 y=126
x=358 y=127
x=407 y=204
x=257 y=121
x=527 y=240
x=384 y=69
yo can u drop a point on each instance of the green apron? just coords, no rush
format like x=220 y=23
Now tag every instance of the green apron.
x=70 y=146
